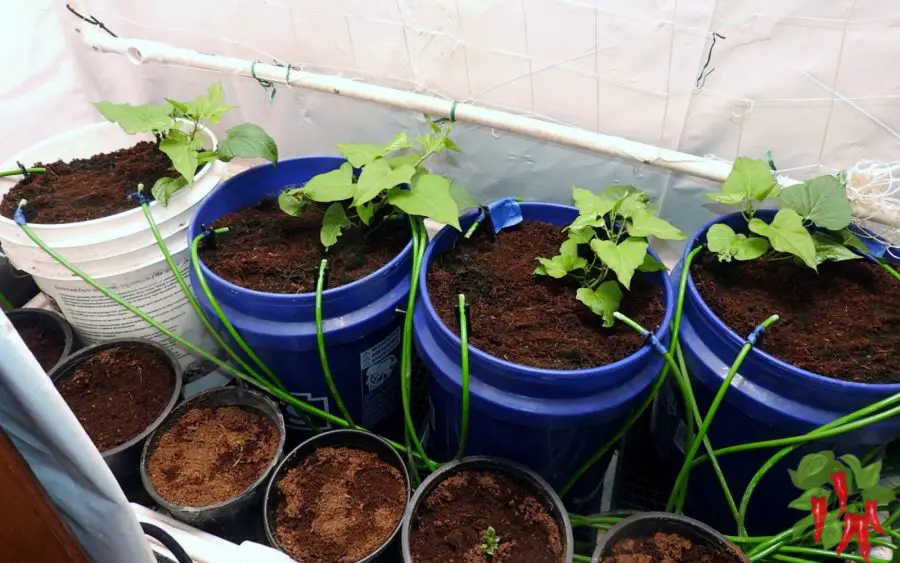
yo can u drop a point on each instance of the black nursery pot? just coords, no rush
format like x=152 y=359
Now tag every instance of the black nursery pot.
x=124 y=460
x=22 y=318
x=388 y=551
x=235 y=519
x=16 y=287
x=646 y=524
x=519 y=473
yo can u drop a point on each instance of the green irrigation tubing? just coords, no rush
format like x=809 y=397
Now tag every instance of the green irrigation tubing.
x=464 y=361
x=223 y=318
x=320 y=340
x=597 y=455
x=891 y=270
x=581 y=558
x=272 y=379
x=18 y=171
x=192 y=300
x=684 y=384
x=714 y=407
x=815 y=552
x=789 y=559
x=417 y=229
x=168 y=333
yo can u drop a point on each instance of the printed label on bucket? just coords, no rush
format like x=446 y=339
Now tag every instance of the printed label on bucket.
x=153 y=290
x=379 y=368
x=293 y=420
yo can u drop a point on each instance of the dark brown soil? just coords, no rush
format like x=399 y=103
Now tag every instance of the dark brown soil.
x=118 y=393
x=533 y=320
x=451 y=524
x=271 y=251
x=91 y=188
x=211 y=455
x=45 y=340
x=666 y=548
x=843 y=322
x=338 y=506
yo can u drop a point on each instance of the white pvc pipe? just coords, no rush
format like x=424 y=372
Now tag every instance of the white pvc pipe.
x=140 y=51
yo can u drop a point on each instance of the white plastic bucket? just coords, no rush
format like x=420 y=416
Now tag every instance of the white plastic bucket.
x=118 y=251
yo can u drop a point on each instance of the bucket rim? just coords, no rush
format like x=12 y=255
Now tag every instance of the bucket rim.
x=100 y=221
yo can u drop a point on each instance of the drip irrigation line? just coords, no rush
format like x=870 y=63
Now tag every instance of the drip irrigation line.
x=22 y=171
x=320 y=341
x=464 y=362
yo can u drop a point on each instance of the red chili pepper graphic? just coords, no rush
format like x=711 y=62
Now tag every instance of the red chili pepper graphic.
x=862 y=536
x=850 y=527
x=840 y=488
x=819 y=507
x=872 y=516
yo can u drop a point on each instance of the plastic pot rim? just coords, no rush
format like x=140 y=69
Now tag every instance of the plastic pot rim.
x=86 y=353
x=735 y=340
x=289 y=461
x=597 y=371
x=70 y=338
x=100 y=221
x=656 y=515
x=287 y=297
x=524 y=475
x=183 y=408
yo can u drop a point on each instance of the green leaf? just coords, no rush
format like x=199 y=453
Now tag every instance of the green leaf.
x=164 y=188
x=208 y=106
x=750 y=179
x=365 y=212
x=628 y=200
x=832 y=531
x=624 y=258
x=786 y=233
x=450 y=145
x=644 y=224
x=336 y=185
x=727 y=244
x=801 y=526
x=814 y=469
x=138 y=119
x=397 y=161
x=828 y=249
x=183 y=155
x=587 y=221
x=247 y=140
x=603 y=301
x=206 y=156
x=880 y=494
x=851 y=240
x=292 y=202
x=398 y=143
x=361 y=155
x=821 y=200
x=558 y=266
x=726 y=199
x=334 y=221
x=583 y=235
x=870 y=476
x=590 y=204
x=651 y=264
x=181 y=107
x=378 y=177
x=430 y=198
x=803 y=501
x=462 y=197
x=569 y=247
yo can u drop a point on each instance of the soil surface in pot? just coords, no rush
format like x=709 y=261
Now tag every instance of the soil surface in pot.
x=338 y=506
x=533 y=320
x=271 y=251
x=45 y=339
x=843 y=322
x=212 y=454
x=118 y=393
x=88 y=188
x=450 y=525
x=666 y=548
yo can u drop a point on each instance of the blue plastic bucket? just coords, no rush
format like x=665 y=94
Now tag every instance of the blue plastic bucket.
x=548 y=420
x=361 y=325
x=768 y=399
